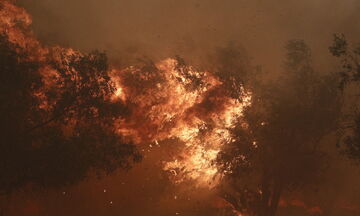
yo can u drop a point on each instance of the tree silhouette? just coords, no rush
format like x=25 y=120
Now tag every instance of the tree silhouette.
x=277 y=149
x=57 y=127
x=349 y=139
x=232 y=65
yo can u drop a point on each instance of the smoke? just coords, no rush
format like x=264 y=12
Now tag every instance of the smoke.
x=192 y=29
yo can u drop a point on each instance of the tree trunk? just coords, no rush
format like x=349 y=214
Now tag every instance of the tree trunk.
x=271 y=193
x=265 y=194
x=275 y=199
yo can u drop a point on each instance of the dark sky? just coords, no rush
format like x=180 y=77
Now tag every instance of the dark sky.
x=192 y=29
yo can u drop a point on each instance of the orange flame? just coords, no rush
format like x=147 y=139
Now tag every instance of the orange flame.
x=199 y=117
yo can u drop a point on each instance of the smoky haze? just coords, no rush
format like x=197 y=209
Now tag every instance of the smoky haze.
x=192 y=29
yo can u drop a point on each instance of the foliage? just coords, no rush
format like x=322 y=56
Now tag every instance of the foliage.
x=278 y=145
x=349 y=139
x=232 y=65
x=57 y=128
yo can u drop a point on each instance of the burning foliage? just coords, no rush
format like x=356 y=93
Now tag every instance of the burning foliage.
x=170 y=100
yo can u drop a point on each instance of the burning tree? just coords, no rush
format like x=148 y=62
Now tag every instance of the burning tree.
x=278 y=147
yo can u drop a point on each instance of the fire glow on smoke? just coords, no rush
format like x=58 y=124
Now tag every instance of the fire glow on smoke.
x=168 y=100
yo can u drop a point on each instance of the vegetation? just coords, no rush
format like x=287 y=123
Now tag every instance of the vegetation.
x=55 y=134
x=277 y=148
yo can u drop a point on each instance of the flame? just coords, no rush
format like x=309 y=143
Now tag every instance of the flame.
x=171 y=104
x=168 y=109
x=197 y=158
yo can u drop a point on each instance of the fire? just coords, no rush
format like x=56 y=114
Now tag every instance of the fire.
x=159 y=99
x=119 y=91
x=178 y=102
x=183 y=114
x=202 y=148
x=167 y=100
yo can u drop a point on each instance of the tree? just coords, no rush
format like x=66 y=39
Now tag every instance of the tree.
x=349 y=138
x=276 y=147
x=57 y=119
x=232 y=65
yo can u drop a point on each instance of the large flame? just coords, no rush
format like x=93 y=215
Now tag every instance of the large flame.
x=200 y=117
x=203 y=143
